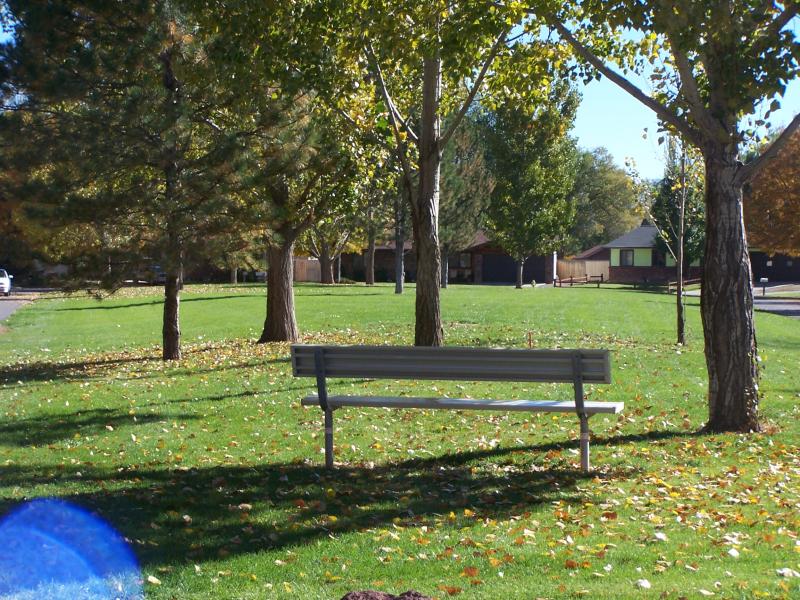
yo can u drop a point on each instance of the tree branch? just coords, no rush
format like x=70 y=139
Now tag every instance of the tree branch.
x=682 y=126
x=751 y=169
x=475 y=87
x=688 y=87
x=775 y=27
x=394 y=113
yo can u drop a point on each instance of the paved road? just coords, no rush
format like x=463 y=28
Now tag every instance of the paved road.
x=7 y=307
x=787 y=307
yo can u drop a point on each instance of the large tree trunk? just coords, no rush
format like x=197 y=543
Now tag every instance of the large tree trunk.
x=280 y=325
x=727 y=301
x=445 y=268
x=234 y=274
x=369 y=263
x=400 y=235
x=170 y=329
x=428 y=325
x=520 y=266
x=325 y=263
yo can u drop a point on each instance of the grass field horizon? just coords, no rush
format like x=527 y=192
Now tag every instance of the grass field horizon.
x=214 y=472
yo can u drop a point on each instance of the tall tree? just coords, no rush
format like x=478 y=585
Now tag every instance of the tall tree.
x=532 y=160
x=712 y=62
x=405 y=60
x=466 y=188
x=605 y=201
x=299 y=177
x=772 y=203
x=122 y=135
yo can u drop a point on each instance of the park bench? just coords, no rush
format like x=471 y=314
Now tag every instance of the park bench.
x=452 y=363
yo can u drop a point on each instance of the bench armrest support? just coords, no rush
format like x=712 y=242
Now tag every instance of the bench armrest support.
x=322 y=384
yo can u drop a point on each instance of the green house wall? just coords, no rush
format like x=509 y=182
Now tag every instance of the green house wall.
x=642 y=257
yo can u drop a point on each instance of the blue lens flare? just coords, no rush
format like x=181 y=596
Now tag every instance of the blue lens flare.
x=53 y=549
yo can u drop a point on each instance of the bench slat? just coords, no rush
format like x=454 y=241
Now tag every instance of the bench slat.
x=466 y=404
x=452 y=363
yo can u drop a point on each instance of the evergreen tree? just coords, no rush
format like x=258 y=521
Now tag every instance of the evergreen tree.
x=124 y=138
x=466 y=187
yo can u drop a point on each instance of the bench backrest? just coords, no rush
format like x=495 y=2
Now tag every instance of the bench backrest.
x=455 y=363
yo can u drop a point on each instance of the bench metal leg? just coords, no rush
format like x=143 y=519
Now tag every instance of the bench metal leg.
x=328 y=439
x=585 y=443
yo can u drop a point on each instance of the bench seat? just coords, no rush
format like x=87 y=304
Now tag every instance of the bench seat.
x=466 y=404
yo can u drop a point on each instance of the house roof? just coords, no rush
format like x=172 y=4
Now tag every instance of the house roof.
x=643 y=236
x=594 y=250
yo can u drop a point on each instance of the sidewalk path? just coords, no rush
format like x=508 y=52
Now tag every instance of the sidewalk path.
x=9 y=307
x=787 y=307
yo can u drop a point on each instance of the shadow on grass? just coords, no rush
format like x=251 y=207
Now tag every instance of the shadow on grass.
x=94 y=369
x=48 y=429
x=302 y=292
x=159 y=301
x=45 y=371
x=236 y=510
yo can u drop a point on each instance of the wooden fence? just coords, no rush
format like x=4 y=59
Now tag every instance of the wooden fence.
x=307 y=269
x=594 y=269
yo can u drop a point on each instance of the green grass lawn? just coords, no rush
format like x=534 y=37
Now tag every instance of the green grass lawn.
x=213 y=469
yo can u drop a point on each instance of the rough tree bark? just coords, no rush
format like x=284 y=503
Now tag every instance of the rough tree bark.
x=727 y=300
x=234 y=274
x=428 y=325
x=280 y=324
x=325 y=263
x=170 y=325
x=445 y=268
x=170 y=329
x=369 y=263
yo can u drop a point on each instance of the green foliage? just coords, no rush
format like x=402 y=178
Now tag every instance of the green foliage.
x=125 y=152
x=605 y=201
x=682 y=183
x=532 y=160
x=710 y=63
x=466 y=187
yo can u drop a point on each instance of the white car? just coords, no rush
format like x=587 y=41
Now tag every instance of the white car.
x=5 y=282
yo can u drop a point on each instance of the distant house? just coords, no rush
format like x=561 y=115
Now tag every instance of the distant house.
x=635 y=258
x=482 y=261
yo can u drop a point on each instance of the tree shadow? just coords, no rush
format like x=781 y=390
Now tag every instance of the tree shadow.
x=96 y=369
x=48 y=429
x=153 y=302
x=297 y=292
x=233 y=510
x=45 y=371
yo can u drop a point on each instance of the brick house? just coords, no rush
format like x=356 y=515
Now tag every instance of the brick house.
x=635 y=258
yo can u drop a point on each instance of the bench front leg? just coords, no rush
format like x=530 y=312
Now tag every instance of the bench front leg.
x=585 y=435
x=328 y=438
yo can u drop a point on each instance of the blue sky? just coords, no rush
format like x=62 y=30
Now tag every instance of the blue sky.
x=610 y=117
